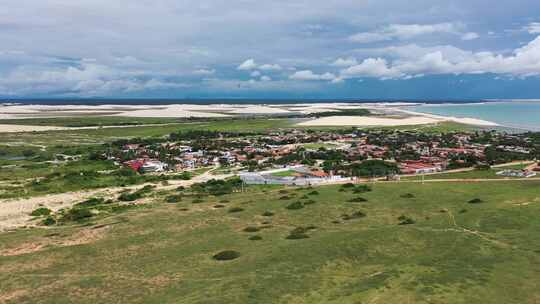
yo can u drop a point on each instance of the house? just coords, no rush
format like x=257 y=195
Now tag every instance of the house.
x=153 y=166
x=419 y=167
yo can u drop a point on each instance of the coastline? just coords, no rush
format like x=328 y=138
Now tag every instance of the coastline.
x=391 y=113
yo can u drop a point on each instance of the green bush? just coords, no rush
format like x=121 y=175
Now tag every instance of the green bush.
x=255 y=238
x=218 y=206
x=77 y=214
x=362 y=189
x=285 y=197
x=475 y=201
x=94 y=201
x=354 y=215
x=298 y=233
x=235 y=209
x=173 y=199
x=295 y=206
x=226 y=255
x=357 y=200
x=268 y=213
x=407 y=195
x=41 y=212
x=129 y=197
x=405 y=220
x=314 y=192
x=49 y=221
x=347 y=185
x=251 y=229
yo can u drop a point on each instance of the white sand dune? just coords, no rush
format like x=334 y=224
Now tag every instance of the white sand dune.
x=224 y=110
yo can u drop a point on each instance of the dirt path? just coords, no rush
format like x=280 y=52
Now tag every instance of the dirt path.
x=15 y=213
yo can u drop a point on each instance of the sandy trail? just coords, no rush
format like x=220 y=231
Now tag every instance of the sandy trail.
x=15 y=213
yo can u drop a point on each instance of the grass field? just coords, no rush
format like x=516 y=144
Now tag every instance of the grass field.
x=473 y=174
x=101 y=135
x=455 y=252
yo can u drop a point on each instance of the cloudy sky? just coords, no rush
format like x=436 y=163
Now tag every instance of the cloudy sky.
x=419 y=49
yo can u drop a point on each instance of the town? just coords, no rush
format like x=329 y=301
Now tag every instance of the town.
x=298 y=157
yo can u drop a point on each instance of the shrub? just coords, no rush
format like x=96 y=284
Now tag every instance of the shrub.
x=475 y=201
x=407 y=195
x=251 y=229
x=285 y=197
x=357 y=200
x=235 y=209
x=295 y=206
x=405 y=220
x=354 y=215
x=463 y=211
x=77 y=214
x=129 y=197
x=226 y=255
x=362 y=189
x=219 y=206
x=41 y=212
x=268 y=213
x=49 y=221
x=255 y=238
x=347 y=185
x=310 y=202
x=314 y=192
x=180 y=188
x=94 y=201
x=298 y=233
x=173 y=199
x=283 y=191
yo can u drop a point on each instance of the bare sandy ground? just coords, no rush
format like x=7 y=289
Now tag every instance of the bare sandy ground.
x=16 y=213
x=25 y=128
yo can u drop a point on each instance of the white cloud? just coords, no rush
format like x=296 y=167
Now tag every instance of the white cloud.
x=404 y=31
x=247 y=65
x=270 y=67
x=204 y=72
x=255 y=74
x=341 y=62
x=470 y=36
x=415 y=61
x=265 y=78
x=371 y=67
x=309 y=75
x=533 y=28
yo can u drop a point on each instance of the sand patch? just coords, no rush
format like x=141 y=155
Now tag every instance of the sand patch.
x=86 y=236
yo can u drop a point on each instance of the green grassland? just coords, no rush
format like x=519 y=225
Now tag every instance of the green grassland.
x=90 y=121
x=101 y=135
x=345 y=252
x=473 y=174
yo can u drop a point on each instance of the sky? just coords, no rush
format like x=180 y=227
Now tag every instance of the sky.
x=354 y=49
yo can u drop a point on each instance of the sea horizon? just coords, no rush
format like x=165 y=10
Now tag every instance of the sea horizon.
x=169 y=101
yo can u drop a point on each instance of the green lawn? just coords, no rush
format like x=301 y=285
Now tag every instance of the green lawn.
x=456 y=252
x=473 y=174
x=284 y=173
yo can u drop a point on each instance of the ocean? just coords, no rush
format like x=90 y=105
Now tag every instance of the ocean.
x=514 y=114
